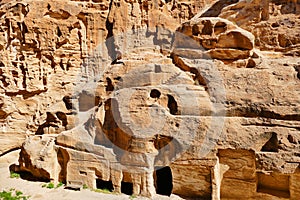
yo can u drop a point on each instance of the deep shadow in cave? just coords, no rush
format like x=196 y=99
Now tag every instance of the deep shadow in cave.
x=172 y=105
x=164 y=180
x=272 y=144
x=155 y=93
x=63 y=159
x=104 y=185
x=127 y=188
x=25 y=175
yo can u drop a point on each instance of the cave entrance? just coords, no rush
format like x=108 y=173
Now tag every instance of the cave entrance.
x=127 y=188
x=272 y=144
x=63 y=159
x=104 y=185
x=164 y=180
x=172 y=105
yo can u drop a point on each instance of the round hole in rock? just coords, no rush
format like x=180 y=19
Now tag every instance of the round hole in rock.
x=164 y=181
x=155 y=93
x=220 y=27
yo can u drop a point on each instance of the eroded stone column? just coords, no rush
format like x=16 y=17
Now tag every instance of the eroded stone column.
x=147 y=187
x=116 y=176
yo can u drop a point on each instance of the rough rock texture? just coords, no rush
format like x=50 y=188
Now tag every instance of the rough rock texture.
x=204 y=103
x=220 y=38
x=269 y=21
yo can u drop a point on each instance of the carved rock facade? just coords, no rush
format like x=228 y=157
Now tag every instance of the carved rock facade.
x=203 y=104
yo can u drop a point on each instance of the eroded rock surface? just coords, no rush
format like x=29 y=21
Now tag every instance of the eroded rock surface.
x=220 y=38
x=204 y=102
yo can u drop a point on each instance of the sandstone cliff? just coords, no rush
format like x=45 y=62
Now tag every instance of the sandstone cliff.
x=204 y=103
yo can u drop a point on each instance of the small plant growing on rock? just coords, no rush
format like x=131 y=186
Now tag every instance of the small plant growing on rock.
x=14 y=175
x=51 y=185
x=105 y=191
x=132 y=197
x=12 y=194
x=85 y=186
x=48 y=185
x=59 y=184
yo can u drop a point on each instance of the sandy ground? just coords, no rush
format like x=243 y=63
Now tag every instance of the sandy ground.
x=36 y=191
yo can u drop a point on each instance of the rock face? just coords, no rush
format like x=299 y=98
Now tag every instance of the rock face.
x=219 y=37
x=269 y=21
x=204 y=102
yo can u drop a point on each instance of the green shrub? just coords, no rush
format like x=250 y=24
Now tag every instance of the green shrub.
x=13 y=194
x=14 y=175
x=85 y=186
x=105 y=191
x=132 y=197
x=52 y=186
x=48 y=185
x=59 y=184
x=18 y=193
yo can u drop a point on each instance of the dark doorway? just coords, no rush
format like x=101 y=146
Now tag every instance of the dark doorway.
x=104 y=185
x=127 y=188
x=164 y=181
